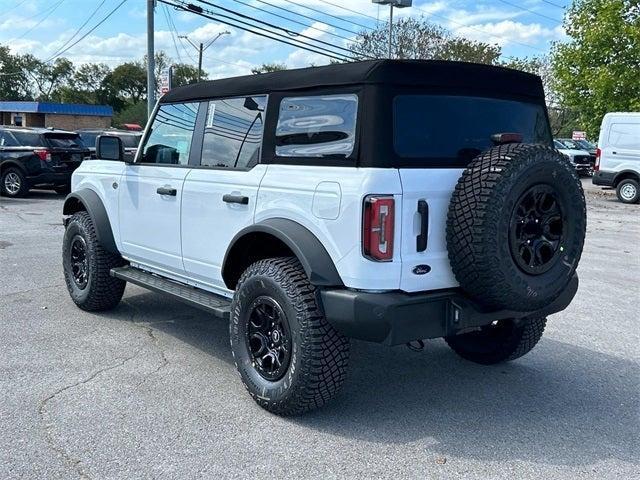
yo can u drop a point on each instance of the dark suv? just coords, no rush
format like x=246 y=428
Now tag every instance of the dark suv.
x=130 y=140
x=38 y=157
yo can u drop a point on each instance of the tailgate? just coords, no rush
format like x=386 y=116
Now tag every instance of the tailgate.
x=428 y=269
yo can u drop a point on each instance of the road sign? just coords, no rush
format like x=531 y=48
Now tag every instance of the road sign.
x=166 y=80
x=579 y=135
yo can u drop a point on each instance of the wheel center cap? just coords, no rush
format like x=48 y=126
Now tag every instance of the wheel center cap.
x=275 y=336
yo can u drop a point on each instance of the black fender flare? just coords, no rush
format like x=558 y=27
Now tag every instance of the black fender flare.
x=95 y=208
x=313 y=257
x=625 y=174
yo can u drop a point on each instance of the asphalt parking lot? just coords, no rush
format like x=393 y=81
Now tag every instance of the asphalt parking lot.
x=149 y=390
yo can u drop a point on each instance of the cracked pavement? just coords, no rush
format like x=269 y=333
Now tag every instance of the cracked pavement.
x=149 y=390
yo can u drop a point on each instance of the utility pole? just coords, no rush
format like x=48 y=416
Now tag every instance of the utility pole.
x=151 y=84
x=392 y=3
x=202 y=48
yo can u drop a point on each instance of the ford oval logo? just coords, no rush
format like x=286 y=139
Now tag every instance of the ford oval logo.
x=421 y=269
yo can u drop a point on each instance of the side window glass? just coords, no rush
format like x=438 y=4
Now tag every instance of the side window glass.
x=318 y=126
x=625 y=135
x=7 y=140
x=169 y=142
x=233 y=132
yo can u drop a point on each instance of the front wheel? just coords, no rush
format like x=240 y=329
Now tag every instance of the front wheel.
x=290 y=359
x=498 y=342
x=628 y=191
x=13 y=183
x=87 y=266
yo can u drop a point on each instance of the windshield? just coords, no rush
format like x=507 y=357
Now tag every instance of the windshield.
x=586 y=144
x=570 y=144
x=457 y=129
x=130 y=141
x=64 y=140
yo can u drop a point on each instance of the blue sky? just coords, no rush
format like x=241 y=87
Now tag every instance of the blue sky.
x=42 y=27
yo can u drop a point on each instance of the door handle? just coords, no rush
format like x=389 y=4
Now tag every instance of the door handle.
x=230 y=198
x=167 y=191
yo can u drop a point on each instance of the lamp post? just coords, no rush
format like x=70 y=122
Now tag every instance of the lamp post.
x=201 y=48
x=392 y=3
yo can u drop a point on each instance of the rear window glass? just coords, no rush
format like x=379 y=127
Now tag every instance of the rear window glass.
x=457 y=128
x=64 y=141
x=317 y=126
x=625 y=135
x=28 y=139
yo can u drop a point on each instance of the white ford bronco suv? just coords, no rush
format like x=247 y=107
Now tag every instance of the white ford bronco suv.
x=387 y=201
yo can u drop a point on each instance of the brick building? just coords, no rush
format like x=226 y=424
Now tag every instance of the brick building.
x=65 y=116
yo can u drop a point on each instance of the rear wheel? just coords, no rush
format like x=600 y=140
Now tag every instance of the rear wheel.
x=13 y=183
x=628 y=191
x=289 y=357
x=87 y=267
x=501 y=341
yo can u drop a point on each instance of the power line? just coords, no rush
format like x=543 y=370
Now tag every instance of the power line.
x=296 y=21
x=49 y=13
x=334 y=16
x=554 y=4
x=277 y=27
x=88 y=32
x=14 y=7
x=187 y=7
x=165 y=11
x=82 y=26
x=531 y=11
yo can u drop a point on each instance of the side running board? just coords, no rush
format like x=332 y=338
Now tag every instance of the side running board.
x=216 y=304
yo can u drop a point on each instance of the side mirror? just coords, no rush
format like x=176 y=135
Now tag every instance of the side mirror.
x=109 y=147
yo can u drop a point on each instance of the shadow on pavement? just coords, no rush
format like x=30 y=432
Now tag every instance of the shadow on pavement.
x=561 y=404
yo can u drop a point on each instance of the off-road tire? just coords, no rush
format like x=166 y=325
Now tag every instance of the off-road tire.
x=319 y=354
x=24 y=184
x=102 y=291
x=627 y=184
x=480 y=225
x=514 y=341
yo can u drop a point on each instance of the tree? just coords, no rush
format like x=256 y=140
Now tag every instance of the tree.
x=47 y=78
x=14 y=82
x=129 y=81
x=268 y=67
x=184 y=74
x=417 y=38
x=87 y=85
x=597 y=71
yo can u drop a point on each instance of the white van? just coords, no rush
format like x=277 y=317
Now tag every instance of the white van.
x=618 y=155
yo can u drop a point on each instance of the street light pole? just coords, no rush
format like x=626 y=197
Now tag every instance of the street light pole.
x=392 y=4
x=391 y=31
x=202 y=48
x=151 y=84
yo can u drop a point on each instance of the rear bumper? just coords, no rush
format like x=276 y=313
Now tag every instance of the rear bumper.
x=604 y=179
x=396 y=318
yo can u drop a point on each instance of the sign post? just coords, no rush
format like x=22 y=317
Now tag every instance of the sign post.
x=579 y=135
x=166 y=81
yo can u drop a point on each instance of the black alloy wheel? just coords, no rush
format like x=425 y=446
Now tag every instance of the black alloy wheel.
x=79 y=262
x=536 y=230
x=268 y=338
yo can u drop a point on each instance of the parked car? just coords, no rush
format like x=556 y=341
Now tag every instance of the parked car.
x=618 y=159
x=38 y=157
x=581 y=160
x=362 y=200
x=130 y=140
x=587 y=146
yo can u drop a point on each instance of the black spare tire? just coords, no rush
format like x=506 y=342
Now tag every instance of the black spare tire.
x=516 y=226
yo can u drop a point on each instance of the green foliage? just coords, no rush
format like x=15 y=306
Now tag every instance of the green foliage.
x=13 y=79
x=268 y=67
x=417 y=38
x=133 y=113
x=184 y=74
x=598 y=70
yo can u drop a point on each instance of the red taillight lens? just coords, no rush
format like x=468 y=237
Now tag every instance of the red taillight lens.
x=596 y=167
x=377 y=228
x=45 y=155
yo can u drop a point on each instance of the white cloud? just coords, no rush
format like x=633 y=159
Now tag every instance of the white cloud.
x=508 y=31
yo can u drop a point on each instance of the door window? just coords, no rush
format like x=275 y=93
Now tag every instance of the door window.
x=169 y=141
x=317 y=126
x=233 y=132
x=6 y=140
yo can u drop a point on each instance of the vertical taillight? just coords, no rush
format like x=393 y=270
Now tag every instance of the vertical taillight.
x=596 y=167
x=43 y=154
x=377 y=228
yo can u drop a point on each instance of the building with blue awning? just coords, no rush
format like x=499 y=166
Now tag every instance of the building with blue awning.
x=65 y=116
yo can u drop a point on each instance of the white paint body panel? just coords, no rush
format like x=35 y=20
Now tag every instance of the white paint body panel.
x=624 y=158
x=209 y=224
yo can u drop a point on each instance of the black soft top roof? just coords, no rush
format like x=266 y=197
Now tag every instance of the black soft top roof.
x=411 y=73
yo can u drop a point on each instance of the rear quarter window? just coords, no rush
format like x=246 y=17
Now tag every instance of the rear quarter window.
x=64 y=141
x=625 y=135
x=28 y=139
x=317 y=126
x=456 y=129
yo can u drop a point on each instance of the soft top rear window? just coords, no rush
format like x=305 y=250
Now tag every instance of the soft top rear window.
x=432 y=129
